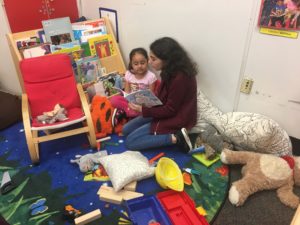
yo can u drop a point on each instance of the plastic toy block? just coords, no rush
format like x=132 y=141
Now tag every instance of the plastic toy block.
x=89 y=217
x=131 y=186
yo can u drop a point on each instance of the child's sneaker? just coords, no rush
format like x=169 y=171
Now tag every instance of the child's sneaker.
x=183 y=140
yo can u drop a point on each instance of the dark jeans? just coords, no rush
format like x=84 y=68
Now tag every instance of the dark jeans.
x=139 y=137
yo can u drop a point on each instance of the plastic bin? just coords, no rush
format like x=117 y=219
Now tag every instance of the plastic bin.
x=144 y=209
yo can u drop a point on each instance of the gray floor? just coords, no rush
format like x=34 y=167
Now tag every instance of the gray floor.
x=262 y=208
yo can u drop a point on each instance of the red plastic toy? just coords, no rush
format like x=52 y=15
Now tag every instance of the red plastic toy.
x=180 y=208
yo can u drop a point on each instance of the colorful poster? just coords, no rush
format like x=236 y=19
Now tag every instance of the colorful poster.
x=280 y=14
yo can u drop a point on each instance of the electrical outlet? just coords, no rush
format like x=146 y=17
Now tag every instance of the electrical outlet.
x=246 y=85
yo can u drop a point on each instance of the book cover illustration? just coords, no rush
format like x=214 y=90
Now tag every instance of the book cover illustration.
x=77 y=30
x=75 y=56
x=112 y=83
x=27 y=42
x=41 y=35
x=96 y=23
x=88 y=69
x=58 y=31
x=143 y=97
x=35 y=51
x=102 y=46
x=66 y=47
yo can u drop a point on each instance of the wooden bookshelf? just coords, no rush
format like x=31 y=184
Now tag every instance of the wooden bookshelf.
x=111 y=63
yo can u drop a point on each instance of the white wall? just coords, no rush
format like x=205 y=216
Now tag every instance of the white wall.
x=273 y=64
x=214 y=32
x=8 y=76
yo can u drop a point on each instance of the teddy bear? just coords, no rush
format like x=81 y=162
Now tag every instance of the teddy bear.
x=263 y=172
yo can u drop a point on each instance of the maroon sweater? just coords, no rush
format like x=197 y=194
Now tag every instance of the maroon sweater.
x=179 y=108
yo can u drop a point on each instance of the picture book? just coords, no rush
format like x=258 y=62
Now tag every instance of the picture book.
x=103 y=46
x=96 y=23
x=112 y=82
x=66 y=47
x=86 y=48
x=41 y=35
x=201 y=158
x=89 y=69
x=94 y=30
x=58 y=31
x=143 y=97
x=75 y=56
x=27 y=42
x=78 y=29
x=35 y=51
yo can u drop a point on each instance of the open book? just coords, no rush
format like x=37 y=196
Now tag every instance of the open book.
x=142 y=97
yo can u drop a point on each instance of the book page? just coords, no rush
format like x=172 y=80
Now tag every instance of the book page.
x=143 y=97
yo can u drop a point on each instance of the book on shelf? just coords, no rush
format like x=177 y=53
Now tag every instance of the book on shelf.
x=77 y=30
x=102 y=46
x=58 y=31
x=88 y=69
x=41 y=35
x=35 y=51
x=66 y=47
x=96 y=23
x=27 y=42
x=112 y=82
x=141 y=97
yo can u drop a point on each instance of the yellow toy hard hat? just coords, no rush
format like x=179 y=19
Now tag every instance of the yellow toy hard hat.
x=168 y=174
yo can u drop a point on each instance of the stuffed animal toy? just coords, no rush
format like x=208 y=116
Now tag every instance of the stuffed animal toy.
x=101 y=112
x=88 y=161
x=59 y=113
x=263 y=172
x=211 y=139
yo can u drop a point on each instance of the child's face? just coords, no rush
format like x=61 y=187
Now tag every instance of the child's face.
x=155 y=62
x=139 y=64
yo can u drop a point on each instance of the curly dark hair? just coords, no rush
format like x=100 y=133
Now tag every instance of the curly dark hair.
x=174 y=58
x=134 y=51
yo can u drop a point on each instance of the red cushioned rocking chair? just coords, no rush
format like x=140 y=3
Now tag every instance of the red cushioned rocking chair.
x=49 y=80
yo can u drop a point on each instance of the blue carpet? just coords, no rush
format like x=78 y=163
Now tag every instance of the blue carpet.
x=61 y=183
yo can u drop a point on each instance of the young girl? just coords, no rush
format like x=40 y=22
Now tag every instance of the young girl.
x=137 y=77
x=167 y=124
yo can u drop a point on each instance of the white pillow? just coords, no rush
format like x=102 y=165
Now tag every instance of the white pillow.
x=248 y=131
x=126 y=167
x=254 y=132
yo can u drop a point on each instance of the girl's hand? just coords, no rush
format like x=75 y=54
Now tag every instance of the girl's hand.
x=135 y=107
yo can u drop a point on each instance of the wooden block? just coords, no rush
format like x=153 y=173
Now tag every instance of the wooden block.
x=127 y=195
x=131 y=186
x=109 y=196
x=89 y=217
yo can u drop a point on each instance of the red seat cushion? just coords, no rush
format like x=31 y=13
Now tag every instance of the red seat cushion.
x=49 y=80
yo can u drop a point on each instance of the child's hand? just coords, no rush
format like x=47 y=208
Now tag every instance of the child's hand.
x=135 y=107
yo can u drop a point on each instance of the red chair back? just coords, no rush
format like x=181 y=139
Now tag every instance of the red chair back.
x=49 y=80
